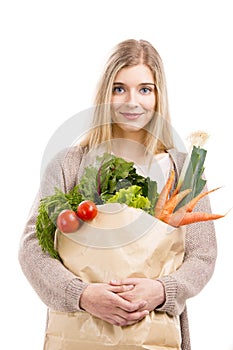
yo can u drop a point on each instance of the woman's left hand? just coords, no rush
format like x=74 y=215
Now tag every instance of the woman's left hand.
x=152 y=291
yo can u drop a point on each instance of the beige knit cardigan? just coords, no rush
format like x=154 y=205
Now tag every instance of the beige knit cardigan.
x=60 y=289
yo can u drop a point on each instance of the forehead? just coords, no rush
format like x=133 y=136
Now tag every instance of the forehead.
x=135 y=75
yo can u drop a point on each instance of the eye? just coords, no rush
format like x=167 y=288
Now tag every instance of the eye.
x=145 y=90
x=118 y=90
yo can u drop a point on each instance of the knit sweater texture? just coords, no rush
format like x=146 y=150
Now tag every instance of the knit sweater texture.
x=60 y=289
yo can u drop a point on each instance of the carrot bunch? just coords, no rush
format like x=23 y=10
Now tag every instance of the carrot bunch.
x=168 y=201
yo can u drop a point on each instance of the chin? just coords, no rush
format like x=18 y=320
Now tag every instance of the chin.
x=130 y=126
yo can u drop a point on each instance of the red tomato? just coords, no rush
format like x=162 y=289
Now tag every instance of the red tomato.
x=67 y=221
x=87 y=210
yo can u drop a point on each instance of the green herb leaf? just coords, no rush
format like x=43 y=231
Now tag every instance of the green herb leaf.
x=49 y=209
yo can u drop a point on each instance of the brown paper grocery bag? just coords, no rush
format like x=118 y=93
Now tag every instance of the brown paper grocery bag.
x=121 y=242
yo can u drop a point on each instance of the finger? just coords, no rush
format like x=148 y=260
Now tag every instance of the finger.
x=131 y=306
x=125 y=281
x=121 y=288
x=127 y=295
x=124 y=318
x=119 y=321
x=137 y=316
x=116 y=282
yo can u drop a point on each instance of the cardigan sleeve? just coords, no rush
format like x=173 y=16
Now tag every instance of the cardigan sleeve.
x=198 y=264
x=56 y=286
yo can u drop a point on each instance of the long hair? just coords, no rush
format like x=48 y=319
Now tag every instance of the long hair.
x=126 y=54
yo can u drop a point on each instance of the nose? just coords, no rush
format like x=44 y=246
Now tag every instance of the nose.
x=132 y=99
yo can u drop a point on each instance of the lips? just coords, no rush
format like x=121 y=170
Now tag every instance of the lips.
x=131 y=116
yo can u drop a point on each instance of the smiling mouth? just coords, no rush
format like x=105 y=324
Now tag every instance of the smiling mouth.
x=131 y=116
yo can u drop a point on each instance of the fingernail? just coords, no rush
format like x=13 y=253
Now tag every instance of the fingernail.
x=130 y=286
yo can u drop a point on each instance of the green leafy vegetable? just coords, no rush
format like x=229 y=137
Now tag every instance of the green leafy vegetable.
x=88 y=185
x=101 y=182
x=152 y=194
x=48 y=211
x=132 y=196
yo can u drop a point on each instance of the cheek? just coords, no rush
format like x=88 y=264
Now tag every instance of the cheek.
x=150 y=103
x=116 y=104
x=114 y=111
x=153 y=102
x=149 y=116
x=117 y=97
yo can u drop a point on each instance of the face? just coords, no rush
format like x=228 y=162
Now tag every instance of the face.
x=133 y=100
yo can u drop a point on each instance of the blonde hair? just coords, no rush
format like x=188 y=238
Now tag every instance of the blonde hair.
x=130 y=53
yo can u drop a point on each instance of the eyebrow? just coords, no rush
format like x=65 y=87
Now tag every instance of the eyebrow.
x=120 y=83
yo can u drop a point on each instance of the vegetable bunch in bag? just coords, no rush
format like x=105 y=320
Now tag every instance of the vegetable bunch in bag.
x=114 y=179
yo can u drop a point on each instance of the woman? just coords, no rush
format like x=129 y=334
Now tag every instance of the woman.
x=132 y=118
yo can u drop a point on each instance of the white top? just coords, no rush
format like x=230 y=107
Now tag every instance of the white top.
x=158 y=170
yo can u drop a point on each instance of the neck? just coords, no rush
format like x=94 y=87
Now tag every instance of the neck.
x=130 y=150
x=138 y=136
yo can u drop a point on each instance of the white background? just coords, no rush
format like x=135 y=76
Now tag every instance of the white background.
x=52 y=54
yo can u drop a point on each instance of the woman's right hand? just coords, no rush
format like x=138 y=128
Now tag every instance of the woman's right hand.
x=101 y=300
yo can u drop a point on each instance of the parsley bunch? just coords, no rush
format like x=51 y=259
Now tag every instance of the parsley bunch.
x=49 y=209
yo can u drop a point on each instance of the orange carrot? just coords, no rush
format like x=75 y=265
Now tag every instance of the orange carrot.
x=164 y=194
x=190 y=206
x=180 y=218
x=176 y=190
x=173 y=201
